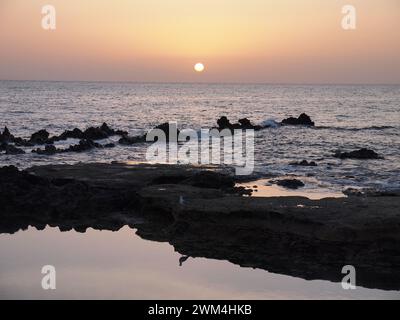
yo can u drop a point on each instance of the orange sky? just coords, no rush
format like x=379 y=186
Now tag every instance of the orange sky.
x=271 y=41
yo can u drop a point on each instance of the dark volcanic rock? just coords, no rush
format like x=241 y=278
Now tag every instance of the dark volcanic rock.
x=12 y=150
x=246 y=124
x=127 y=140
x=26 y=199
x=6 y=136
x=23 y=142
x=91 y=133
x=39 y=137
x=289 y=183
x=111 y=132
x=84 y=145
x=304 y=163
x=3 y=146
x=210 y=179
x=69 y=134
x=165 y=128
x=303 y=120
x=95 y=133
x=362 y=154
x=224 y=123
x=48 y=150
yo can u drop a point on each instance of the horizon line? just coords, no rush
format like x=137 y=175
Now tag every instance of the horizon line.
x=212 y=82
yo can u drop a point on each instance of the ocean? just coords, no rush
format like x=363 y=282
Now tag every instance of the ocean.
x=346 y=117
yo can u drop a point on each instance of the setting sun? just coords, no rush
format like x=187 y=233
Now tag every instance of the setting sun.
x=199 y=67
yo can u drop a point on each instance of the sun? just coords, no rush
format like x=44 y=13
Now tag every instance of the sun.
x=199 y=67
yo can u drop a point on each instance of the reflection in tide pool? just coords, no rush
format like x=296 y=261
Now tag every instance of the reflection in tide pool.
x=120 y=265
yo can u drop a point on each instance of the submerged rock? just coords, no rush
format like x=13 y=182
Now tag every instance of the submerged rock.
x=246 y=124
x=303 y=120
x=165 y=127
x=289 y=183
x=10 y=149
x=243 y=124
x=69 y=134
x=210 y=179
x=40 y=137
x=304 y=163
x=48 y=150
x=6 y=136
x=127 y=140
x=84 y=145
x=361 y=154
x=91 y=133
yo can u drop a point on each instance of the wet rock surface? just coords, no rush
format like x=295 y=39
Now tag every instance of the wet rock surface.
x=302 y=120
x=243 y=124
x=361 y=154
x=10 y=149
x=82 y=146
x=197 y=212
x=304 y=163
x=88 y=137
x=289 y=183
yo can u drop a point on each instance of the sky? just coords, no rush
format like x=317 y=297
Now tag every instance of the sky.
x=255 y=41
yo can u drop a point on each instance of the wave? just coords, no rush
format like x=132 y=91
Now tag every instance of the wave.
x=270 y=123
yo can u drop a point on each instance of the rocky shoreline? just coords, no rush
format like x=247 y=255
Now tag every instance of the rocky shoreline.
x=11 y=145
x=201 y=212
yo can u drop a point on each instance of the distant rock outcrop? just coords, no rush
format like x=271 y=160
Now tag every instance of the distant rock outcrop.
x=243 y=124
x=361 y=154
x=289 y=183
x=304 y=163
x=302 y=120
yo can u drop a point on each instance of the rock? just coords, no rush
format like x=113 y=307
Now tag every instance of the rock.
x=165 y=128
x=95 y=133
x=109 y=145
x=84 y=145
x=111 y=132
x=22 y=142
x=224 y=123
x=361 y=154
x=48 y=150
x=12 y=150
x=39 y=137
x=91 y=133
x=303 y=120
x=68 y=134
x=3 y=146
x=244 y=124
x=127 y=140
x=210 y=179
x=289 y=183
x=6 y=136
x=304 y=163
x=353 y=192
x=102 y=132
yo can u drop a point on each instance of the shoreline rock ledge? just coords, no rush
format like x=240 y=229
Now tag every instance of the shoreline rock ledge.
x=200 y=213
